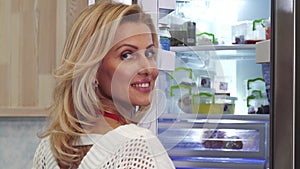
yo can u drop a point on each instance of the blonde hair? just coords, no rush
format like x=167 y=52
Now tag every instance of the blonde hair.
x=75 y=101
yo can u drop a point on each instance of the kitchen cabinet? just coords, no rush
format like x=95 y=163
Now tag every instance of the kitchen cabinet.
x=32 y=35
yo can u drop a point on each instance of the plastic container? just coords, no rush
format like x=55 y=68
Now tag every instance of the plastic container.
x=206 y=103
x=177 y=93
x=257 y=103
x=256 y=84
x=206 y=38
x=249 y=32
x=181 y=74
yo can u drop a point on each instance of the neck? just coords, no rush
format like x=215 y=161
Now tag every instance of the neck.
x=107 y=122
x=114 y=117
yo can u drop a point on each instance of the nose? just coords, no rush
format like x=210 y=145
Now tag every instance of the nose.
x=147 y=66
x=148 y=71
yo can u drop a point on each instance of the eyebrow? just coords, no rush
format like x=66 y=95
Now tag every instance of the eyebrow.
x=132 y=46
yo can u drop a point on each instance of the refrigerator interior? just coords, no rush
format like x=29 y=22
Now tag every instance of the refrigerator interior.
x=194 y=136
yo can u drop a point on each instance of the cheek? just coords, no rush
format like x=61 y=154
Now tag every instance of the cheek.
x=120 y=84
x=155 y=73
x=104 y=76
x=123 y=75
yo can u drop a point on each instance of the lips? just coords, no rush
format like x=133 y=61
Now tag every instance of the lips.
x=142 y=86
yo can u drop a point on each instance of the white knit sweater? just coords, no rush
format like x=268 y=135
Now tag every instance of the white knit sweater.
x=126 y=147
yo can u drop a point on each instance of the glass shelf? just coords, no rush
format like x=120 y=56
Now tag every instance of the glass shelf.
x=212 y=47
x=224 y=52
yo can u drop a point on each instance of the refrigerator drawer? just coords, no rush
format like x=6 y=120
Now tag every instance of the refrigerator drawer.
x=214 y=136
x=218 y=163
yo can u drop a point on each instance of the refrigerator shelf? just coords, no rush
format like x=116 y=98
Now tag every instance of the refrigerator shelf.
x=217 y=163
x=261 y=118
x=212 y=47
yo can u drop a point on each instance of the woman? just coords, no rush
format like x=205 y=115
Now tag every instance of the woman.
x=104 y=86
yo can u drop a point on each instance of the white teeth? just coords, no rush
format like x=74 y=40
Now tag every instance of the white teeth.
x=142 y=85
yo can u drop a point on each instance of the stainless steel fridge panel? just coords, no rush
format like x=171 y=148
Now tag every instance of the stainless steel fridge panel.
x=297 y=85
x=283 y=101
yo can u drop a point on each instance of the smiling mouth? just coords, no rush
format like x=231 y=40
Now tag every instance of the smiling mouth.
x=141 y=85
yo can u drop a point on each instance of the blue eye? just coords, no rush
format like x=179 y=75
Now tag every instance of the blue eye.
x=126 y=56
x=150 y=53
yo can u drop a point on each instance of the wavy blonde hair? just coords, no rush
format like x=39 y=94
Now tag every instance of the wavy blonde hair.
x=75 y=101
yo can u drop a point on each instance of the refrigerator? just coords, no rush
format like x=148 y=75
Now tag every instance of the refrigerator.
x=236 y=138
x=285 y=85
x=212 y=117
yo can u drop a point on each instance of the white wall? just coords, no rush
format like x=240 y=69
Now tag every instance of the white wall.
x=18 y=141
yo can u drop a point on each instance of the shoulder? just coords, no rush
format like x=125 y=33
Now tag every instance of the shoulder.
x=132 y=131
x=125 y=134
x=43 y=147
x=43 y=157
x=142 y=144
x=128 y=146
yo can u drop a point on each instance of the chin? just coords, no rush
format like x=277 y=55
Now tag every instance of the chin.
x=141 y=100
x=141 y=103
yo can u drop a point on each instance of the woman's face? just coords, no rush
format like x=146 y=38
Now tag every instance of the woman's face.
x=128 y=71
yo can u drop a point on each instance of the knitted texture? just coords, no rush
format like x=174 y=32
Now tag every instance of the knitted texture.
x=43 y=157
x=133 y=154
x=127 y=147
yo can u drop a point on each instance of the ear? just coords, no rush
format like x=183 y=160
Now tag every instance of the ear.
x=96 y=84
